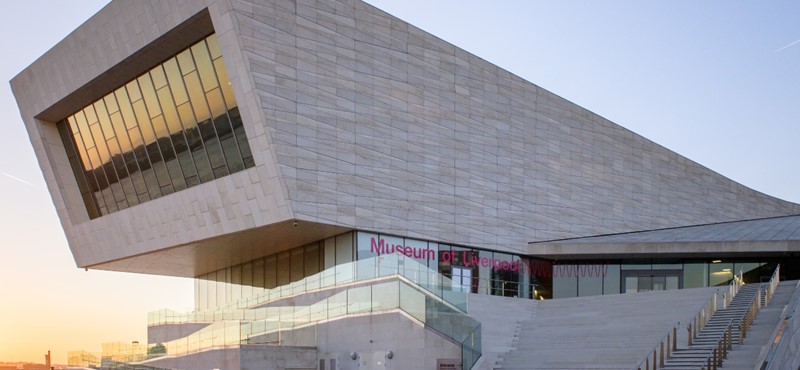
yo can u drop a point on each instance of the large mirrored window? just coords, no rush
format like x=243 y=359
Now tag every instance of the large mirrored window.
x=174 y=127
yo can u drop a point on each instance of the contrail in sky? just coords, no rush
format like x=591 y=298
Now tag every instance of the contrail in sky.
x=798 y=41
x=23 y=181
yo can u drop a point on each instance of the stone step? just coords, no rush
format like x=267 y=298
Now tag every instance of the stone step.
x=740 y=356
x=716 y=327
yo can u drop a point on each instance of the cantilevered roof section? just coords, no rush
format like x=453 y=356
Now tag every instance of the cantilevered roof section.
x=774 y=236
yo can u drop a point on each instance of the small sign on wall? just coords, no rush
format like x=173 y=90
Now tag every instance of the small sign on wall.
x=448 y=364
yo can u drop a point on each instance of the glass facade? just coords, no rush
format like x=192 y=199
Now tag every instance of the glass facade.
x=470 y=270
x=173 y=127
x=465 y=269
x=251 y=278
x=614 y=277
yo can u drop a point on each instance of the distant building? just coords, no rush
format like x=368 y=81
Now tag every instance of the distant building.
x=35 y=367
x=323 y=167
x=82 y=359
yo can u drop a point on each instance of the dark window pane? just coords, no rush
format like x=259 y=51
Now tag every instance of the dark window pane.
x=67 y=134
x=229 y=146
x=241 y=138
x=212 y=145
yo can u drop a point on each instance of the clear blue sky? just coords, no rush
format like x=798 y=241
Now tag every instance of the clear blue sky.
x=715 y=81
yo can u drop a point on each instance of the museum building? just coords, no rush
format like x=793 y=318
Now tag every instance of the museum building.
x=302 y=155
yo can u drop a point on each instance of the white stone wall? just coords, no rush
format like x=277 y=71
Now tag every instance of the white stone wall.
x=246 y=357
x=357 y=119
x=378 y=125
x=371 y=336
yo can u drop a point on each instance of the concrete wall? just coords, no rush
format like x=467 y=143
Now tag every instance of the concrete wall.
x=278 y=358
x=247 y=357
x=168 y=332
x=413 y=346
x=222 y=359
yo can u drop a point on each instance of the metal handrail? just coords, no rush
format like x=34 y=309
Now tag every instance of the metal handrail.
x=772 y=285
x=336 y=277
x=749 y=316
x=659 y=354
x=725 y=343
x=733 y=288
x=720 y=352
x=699 y=321
x=778 y=338
x=668 y=344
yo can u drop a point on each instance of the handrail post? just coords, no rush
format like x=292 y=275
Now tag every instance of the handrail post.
x=730 y=337
x=655 y=360
x=661 y=355
x=725 y=343
x=689 y=329
x=675 y=338
x=715 y=359
x=758 y=299
x=724 y=346
x=741 y=334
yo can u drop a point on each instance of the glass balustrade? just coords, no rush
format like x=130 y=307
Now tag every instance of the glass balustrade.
x=340 y=275
x=295 y=325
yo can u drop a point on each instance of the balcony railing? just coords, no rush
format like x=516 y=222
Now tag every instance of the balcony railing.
x=378 y=285
x=335 y=277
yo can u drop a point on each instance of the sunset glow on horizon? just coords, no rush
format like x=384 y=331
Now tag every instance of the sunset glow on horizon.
x=47 y=302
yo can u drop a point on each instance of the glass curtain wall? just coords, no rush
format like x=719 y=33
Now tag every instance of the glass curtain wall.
x=173 y=127
x=251 y=278
x=613 y=277
x=471 y=270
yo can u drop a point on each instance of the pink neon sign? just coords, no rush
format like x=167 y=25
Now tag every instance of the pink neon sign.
x=538 y=268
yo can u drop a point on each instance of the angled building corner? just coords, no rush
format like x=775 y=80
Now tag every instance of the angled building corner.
x=321 y=147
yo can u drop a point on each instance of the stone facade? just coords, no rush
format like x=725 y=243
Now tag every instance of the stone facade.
x=379 y=125
x=359 y=120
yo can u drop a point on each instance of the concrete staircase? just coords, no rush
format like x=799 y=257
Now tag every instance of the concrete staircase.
x=502 y=335
x=601 y=332
x=696 y=355
x=742 y=356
